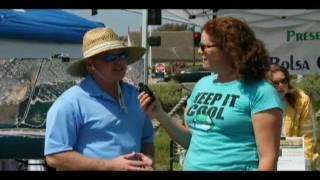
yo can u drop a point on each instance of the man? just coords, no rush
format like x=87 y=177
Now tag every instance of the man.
x=98 y=124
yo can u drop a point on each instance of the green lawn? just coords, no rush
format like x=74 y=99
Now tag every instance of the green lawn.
x=162 y=148
x=169 y=94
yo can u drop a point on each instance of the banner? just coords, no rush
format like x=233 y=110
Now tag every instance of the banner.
x=293 y=46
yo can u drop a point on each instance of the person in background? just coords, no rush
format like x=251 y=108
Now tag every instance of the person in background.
x=233 y=116
x=297 y=116
x=98 y=124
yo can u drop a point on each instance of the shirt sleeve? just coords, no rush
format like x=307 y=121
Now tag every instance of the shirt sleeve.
x=265 y=97
x=193 y=94
x=61 y=128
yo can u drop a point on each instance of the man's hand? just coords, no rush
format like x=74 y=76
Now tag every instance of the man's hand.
x=132 y=162
x=146 y=159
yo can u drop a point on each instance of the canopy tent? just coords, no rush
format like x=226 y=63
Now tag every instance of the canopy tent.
x=41 y=33
x=267 y=18
x=44 y=25
x=291 y=36
x=31 y=76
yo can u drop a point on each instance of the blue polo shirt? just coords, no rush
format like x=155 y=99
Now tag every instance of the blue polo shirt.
x=88 y=120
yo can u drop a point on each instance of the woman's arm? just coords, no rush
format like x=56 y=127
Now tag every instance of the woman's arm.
x=175 y=129
x=267 y=129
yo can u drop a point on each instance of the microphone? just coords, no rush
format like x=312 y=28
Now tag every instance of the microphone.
x=146 y=89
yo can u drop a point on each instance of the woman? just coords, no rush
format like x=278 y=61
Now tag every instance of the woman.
x=234 y=115
x=297 y=117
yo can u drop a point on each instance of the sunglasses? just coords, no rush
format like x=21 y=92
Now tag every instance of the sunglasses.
x=112 y=57
x=282 y=81
x=204 y=47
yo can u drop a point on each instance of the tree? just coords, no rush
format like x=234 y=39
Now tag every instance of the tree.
x=311 y=85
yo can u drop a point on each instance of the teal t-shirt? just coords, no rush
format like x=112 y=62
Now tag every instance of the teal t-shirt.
x=219 y=116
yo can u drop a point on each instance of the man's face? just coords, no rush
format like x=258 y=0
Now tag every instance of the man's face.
x=110 y=67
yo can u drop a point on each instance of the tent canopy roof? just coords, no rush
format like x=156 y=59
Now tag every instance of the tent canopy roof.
x=255 y=17
x=44 y=25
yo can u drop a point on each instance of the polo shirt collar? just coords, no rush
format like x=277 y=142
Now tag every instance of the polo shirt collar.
x=93 y=89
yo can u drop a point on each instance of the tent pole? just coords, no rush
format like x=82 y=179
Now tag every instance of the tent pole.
x=144 y=41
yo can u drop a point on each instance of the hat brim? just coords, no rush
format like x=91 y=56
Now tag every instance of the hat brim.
x=77 y=68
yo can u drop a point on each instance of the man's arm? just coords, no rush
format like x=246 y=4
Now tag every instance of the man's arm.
x=148 y=149
x=74 y=161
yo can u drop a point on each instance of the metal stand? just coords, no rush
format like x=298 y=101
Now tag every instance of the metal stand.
x=36 y=165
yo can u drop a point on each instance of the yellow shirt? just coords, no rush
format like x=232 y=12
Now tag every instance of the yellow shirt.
x=299 y=123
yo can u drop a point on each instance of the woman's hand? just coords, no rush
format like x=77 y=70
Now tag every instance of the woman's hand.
x=153 y=109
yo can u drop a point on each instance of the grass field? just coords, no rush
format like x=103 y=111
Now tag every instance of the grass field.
x=162 y=148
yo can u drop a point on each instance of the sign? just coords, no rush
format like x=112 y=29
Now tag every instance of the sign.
x=292 y=36
x=295 y=47
x=160 y=68
x=292 y=154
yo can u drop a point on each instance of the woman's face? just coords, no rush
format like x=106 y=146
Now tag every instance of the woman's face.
x=280 y=82
x=212 y=56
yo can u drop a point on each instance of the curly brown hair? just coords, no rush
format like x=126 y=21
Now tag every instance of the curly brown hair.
x=234 y=37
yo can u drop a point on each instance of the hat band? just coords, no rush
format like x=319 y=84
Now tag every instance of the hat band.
x=102 y=47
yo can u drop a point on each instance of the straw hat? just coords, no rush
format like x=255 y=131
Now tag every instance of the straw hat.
x=102 y=41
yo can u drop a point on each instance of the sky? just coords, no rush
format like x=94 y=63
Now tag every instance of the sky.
x=118 y=20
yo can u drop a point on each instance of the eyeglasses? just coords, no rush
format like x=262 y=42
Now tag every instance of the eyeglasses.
x=112 y=57
x=204 y=47
x=282 y=81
